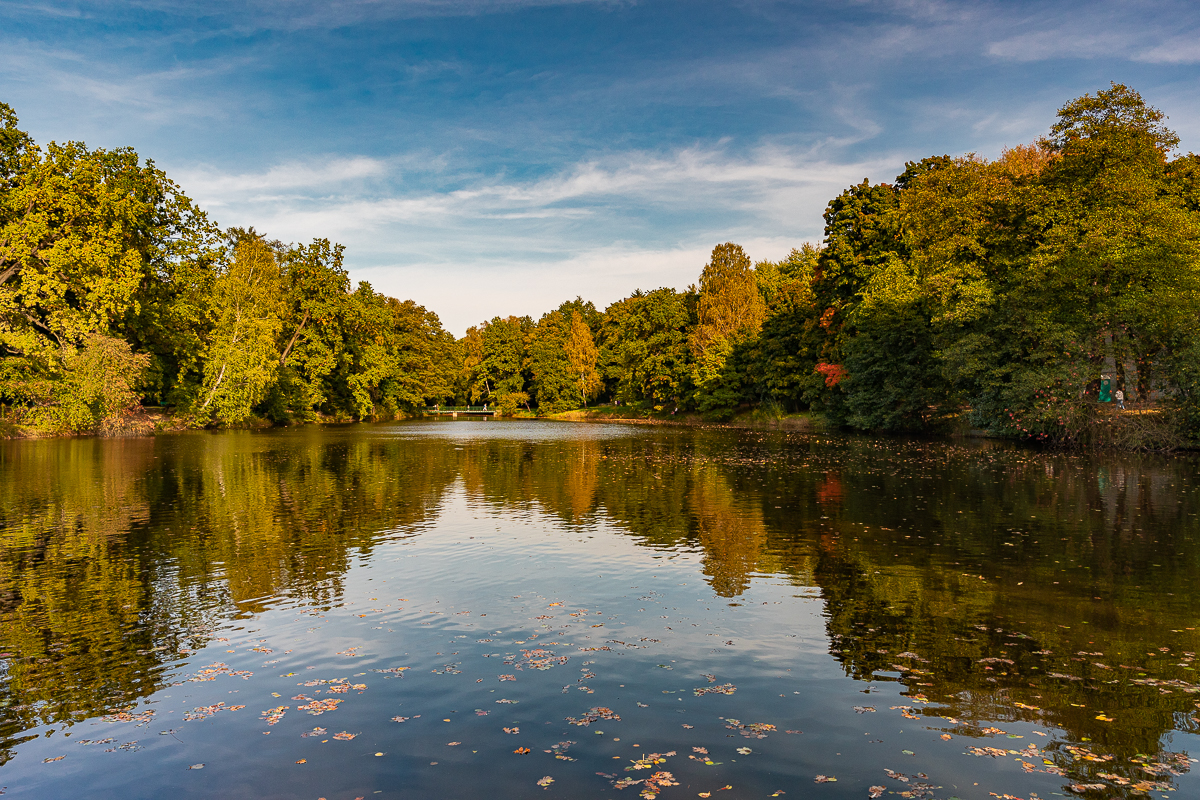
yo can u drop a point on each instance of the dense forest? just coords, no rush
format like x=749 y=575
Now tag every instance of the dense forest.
x=1031 y=296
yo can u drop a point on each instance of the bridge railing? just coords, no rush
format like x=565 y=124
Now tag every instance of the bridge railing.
x=458 y=409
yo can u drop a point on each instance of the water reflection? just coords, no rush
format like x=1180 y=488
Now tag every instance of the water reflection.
x=996 y=584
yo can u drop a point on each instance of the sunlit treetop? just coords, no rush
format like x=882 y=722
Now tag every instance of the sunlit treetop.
x=1119 y=109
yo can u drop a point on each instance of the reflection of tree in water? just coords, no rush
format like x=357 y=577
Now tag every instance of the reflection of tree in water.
x=732 y=535
x=114 y=554
x=971 y=617
x=938 y=564
x=654 y=489
x=935 y=558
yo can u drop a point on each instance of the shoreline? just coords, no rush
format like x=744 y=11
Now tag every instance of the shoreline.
x=149 y=422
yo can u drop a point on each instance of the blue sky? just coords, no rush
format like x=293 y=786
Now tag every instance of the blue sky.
x=488 y=157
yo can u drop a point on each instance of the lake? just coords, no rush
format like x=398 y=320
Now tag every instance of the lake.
x=512 y=609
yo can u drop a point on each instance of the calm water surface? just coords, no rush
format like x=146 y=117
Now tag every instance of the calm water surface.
x=512 y=609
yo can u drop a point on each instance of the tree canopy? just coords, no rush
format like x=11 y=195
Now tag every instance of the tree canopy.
x=1016 y=295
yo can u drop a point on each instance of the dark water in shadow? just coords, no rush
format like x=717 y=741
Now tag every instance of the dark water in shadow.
x=979 y=620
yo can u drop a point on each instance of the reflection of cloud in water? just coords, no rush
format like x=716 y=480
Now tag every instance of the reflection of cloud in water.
x=514 y=430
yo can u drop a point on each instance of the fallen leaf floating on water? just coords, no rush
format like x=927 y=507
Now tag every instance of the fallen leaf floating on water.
x=314 y=732
x=273 y=715
x=725 y=688
x=689 y=727
x=876 y=791
x=745 y=751
x=344 y=737
x=302 y=761
x=453 y=744
x=593 y=714
x=753 y=730
x=545 y=782
x=512 y=730
x=204 y=712
x=824 y=779
x=141 y=718
x=508 y=677
x=521 y=751
x=48 y=760
x=319 y=707
x=701 y=750
x=560 y=751
x=401 y=719
x=864 y=709
x=994 y=752
x=196 y=766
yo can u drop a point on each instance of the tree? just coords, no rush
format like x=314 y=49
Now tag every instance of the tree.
x=581 y=354
x=98 y=383
x=97 y=242
x=500 y=376
x=551 y=371
x=644 y=348
x=731 y=310
x=242 y=356
x=312 y=336
x=785 y=353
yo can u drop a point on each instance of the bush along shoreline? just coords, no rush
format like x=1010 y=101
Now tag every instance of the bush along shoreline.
x=1049 y=295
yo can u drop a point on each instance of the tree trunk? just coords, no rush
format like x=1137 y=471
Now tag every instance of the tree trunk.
x=213 y=393
x=288 y=350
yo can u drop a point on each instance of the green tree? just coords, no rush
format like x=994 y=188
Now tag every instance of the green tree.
x=784 y=354
x=550 y=369
x=243 y=358
x=312 y=335
x=644 y=349
x=731 y=310
x=499 y=377
x=97 y=386
x=97 y=242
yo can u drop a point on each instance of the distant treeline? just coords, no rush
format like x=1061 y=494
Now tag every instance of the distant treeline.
x=1018 y=296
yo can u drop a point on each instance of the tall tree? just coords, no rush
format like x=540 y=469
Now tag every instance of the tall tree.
x=581 y=353
x=243 y=358
x=731 y=311
x=644 y=348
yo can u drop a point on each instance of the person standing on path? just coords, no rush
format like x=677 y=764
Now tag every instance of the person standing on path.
x=1119 y=396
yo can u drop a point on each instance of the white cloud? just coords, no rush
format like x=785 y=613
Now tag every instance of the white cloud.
x=1176 y=50
x=218 y=189
x=600 y=228
x=602 y=274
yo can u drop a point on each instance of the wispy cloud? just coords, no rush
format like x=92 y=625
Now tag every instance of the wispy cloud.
x=594 y=228
x=218 y=189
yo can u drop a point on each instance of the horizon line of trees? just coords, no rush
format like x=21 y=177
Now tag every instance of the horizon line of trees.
x=1024 y=292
